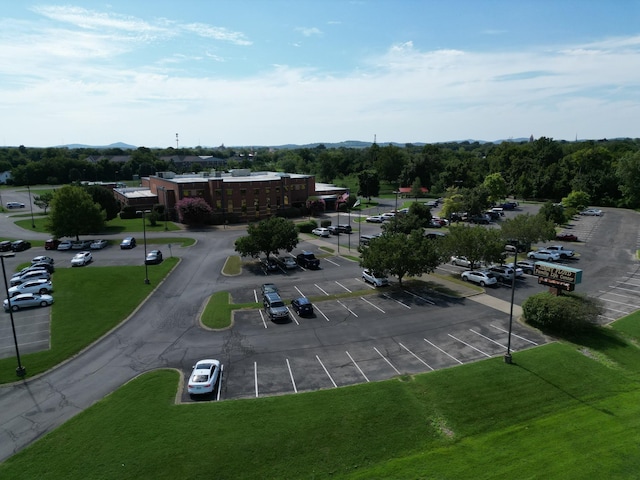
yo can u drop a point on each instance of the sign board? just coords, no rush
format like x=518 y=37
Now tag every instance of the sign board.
x=551 y=271
x=569 y=287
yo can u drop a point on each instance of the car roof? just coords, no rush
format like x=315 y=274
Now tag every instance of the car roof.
x=303 y=300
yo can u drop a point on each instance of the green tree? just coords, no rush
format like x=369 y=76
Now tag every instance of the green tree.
x=401 y=255
x=525 y=229
x=416 y=188
x=577 y=199
x=554 y=212
x=495 y=186
x=628 y=174
x=74 y=213
x=477 y=243
x=369 y=184
x=453 y=203
x=268 y=236
x=104 y=197
x=43 y=201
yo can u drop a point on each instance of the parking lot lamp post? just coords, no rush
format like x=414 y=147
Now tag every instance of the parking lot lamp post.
x=33 y=224
x=21 y=371
x=507 y=356
x=144 y=236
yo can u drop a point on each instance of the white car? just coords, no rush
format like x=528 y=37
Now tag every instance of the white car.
x=375 y=219
x=64 y=245
x=479 y=277
x=42 y=259
x=592 y=212
x=546 y=255
x=388 y=216
x=204 y=377
x=81 y=259
x=40 y=285
x=374 y=279
x=461 y=261
x=25 y=300
x=321 y=232
x=29 y=275
x=98 y=244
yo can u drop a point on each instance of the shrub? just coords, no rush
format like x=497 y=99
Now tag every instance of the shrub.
x=306 y=227
x=562 y=314
x=325 y=223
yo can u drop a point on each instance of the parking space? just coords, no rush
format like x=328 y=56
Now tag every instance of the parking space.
x=622 y=297
x=32 y=331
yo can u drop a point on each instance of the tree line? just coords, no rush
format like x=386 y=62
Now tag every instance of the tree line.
x=608 y=171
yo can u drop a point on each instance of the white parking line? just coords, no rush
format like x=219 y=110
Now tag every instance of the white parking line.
x=255 y=376
x=318 y=287
x=321 y=313
x=470 y=346
x=514 y=334
x=295 y=389
x=327 y=260
x=350 y=311
x=338 y=283
x=417 y=357
x=446 y=353
x=487 y=338
x=293 y=316
x=326 y=371
x=220 y=382
x=421 y=298
x=387 y=360
x=22 y=344
x=374 y=306
x=354 y=362
x=262 y=317
x=618 y=287
x=255 y=295
x=397 y=301
x=607 y=300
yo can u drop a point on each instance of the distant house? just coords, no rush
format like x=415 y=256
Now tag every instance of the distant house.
x=4 y=176
x=406 y=191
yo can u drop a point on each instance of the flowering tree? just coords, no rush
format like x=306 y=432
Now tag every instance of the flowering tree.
x=193 y=211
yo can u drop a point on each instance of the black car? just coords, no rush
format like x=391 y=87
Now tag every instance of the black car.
x=302 y=306
x=344 y=228
x=308 y=260
x=128 y=242
x=5 y=246
x=20 y=245
x=153 y=257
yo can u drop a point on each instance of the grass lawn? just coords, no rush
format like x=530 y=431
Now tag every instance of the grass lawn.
x=83 y=312
x=555 y=413
x=115 y=226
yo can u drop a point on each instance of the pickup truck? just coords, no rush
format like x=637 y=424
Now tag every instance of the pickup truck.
x=308 y=260
x=564 y=252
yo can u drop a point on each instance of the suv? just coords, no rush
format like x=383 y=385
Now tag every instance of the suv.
x=344 y=228
x=504 y=273
x=33 y=275
x=374 y=279
x=127 y=243
x=274 y=306
x=308 y=260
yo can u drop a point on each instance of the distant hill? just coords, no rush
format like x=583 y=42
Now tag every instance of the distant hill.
x=123 y=146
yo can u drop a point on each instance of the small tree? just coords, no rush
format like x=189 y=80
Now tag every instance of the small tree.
x=74 y=213
x=193 y=211
x=269 y=237
x=525 y=229
x=476 y=243
x=43 y=201
x=576 y=200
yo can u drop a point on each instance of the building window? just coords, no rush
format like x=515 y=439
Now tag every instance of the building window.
x=219 y=204
x=277 y=190
x=267 y=190
x=218 y=192
x=243 y=191
x=256 y=191
x=229 y=192
x=230 y=206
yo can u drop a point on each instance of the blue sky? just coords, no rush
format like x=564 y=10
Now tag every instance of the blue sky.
x=251 y=73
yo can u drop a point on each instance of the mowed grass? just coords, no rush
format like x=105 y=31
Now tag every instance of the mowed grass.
x=113 y=227
x=565 y=411
x=89 y=301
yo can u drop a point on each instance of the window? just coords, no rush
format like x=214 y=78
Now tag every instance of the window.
x=218 y=192
x=219 y=204
x=256 y=191
x=230 y=206
x=267 y=190
x=229 y=192
x=243 y=191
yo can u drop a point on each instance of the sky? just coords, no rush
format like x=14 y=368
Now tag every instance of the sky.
x=189 y=73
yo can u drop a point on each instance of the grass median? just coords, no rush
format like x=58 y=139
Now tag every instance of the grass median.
x=557 y=413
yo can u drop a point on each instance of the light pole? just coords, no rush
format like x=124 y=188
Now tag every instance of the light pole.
x=507 y=356
x=21 y=371
x=144 y=235
x=33 y=224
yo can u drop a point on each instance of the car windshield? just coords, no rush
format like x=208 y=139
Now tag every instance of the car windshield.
x=277 y=304
x=200 y=378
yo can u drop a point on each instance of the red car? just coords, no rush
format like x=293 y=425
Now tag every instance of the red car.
x=566 y=237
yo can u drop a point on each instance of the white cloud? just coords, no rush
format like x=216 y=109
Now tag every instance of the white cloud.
x=309 y=31
x=217 y=33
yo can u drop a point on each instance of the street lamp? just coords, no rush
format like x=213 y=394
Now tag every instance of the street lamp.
x=21 y=371
x=33 y=224
x=507 y=356
x=144 y=235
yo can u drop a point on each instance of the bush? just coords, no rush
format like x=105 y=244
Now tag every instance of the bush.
x=306 y=227
x=325 y=223
x=562 y=314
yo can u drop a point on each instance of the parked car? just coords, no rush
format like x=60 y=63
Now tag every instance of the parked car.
x=20 y=245
x=374 y=219
x=42 y=266
x=526 y=266
x=64 y=245
x=480 y=277
x=128 y=242
x=321 y=232
x=275 y=307
x=204 y=377
x=333 y=230
x=591 y=212
x=546 y=255
x=375 y=279
x=344 y=228
x=461 y=261
x=154 y=257
x=480 y=219
x=504 y=273
x=31 y=275
x=81 y=259
x=51 y=244
x=508 y=205
x=288 y=262
x=40 y=286
x=5 y=246
x=42 y=259
x=15 y=205
x=564 y=252
x=270 y=264
x=268 y=288
x=26 y=300
x=81 y=244
x=388 y=216
x=567 y=237
x=98 y=244
x=302 y=306
x=365 y=239
x=308 y=260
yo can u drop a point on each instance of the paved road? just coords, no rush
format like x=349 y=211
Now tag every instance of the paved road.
x=164 y=333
